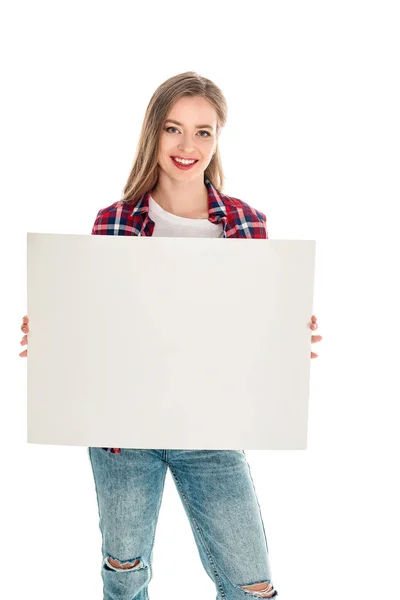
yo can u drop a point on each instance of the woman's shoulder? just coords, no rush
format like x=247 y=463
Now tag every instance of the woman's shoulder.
x=116 y=215
x=235 y=206
x=116 y=207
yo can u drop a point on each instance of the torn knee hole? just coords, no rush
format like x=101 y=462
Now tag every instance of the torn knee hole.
x=261 y=590
x=116 y=565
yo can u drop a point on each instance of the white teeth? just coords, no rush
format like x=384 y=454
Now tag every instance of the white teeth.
x=183 y=161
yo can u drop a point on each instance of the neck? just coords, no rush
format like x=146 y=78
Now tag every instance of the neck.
x=184 y=199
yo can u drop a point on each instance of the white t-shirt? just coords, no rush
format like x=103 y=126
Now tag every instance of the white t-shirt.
x=169 y=225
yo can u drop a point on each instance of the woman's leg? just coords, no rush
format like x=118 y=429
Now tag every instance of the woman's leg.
x=129 y=488
x=218 y=494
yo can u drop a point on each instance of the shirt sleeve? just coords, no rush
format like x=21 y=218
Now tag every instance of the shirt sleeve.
x=264 y=225
x=96 y=229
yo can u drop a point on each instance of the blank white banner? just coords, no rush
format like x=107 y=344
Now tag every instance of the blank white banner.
x=185 y=343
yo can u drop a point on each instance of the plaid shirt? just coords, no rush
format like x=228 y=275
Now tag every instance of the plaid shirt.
x=237 y=218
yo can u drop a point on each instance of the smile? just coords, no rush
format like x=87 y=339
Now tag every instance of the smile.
x=183 y=163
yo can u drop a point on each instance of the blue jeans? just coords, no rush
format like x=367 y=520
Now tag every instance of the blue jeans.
x=220 y=501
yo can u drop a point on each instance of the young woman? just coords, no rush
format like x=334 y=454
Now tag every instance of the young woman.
x=174 y=189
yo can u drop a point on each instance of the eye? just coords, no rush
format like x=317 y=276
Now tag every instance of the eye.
x=202 y=131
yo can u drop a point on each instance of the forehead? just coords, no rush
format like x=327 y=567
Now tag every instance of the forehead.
x=193 y=110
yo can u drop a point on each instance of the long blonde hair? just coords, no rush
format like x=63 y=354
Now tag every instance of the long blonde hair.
x=144 y=173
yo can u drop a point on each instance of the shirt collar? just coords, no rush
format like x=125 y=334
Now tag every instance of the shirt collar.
x=216 y=206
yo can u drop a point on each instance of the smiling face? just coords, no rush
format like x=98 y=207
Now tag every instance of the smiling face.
x=189 y=132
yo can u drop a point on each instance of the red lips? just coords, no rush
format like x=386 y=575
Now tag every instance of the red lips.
x=185 y=158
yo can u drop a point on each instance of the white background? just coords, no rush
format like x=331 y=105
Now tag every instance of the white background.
x=312 y=140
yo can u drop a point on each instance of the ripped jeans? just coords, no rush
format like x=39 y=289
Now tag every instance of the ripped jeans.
x=220 y=501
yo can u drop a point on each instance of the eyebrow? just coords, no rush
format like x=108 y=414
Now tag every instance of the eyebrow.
x=198 y=126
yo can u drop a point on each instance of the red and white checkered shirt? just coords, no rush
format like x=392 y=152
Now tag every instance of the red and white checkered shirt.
x=238 y=219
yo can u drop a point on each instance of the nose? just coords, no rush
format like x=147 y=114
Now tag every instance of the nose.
x=186 y=144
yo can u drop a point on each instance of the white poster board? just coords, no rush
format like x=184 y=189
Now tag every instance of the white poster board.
x=151 y=342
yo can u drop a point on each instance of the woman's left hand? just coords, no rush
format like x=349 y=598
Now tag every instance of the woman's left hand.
x=314 y=338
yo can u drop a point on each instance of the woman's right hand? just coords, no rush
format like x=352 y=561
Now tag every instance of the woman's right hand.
x=25 y=329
